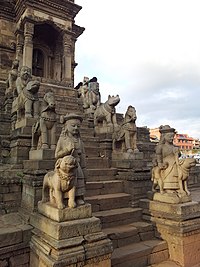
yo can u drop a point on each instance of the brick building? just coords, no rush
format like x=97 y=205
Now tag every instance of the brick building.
x=184 y=142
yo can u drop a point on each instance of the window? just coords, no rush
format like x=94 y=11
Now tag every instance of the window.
x=38 y=63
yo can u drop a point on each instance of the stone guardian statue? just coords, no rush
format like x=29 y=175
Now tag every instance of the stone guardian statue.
x=70 y=143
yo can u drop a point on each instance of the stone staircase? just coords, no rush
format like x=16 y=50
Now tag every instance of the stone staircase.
x=133 y=239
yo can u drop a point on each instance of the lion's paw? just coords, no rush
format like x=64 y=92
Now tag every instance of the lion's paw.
x=72 y=204
x=61 y=206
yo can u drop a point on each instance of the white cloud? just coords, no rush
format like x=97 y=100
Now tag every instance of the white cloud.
x=148 y=52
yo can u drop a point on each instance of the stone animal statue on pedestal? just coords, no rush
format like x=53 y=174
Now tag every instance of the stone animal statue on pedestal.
x=28 y=101
x=126 y=136
x=44 y=130
x=11 y=81
x=106 y=112
x=61 y=180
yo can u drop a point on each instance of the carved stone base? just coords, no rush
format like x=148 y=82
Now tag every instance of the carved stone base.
x=172 y=198
x=179 y=225
x=83 y=211
x=74 y=242
x=42 y=154
x=20 y=144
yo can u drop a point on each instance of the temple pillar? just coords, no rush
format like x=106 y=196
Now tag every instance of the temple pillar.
x=19 y=47
x=67 y=58
x=28 y=44
x=57 y=65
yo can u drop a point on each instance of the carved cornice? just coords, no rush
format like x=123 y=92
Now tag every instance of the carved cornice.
x=65 y=9
x=77 y=30
x=7 y=10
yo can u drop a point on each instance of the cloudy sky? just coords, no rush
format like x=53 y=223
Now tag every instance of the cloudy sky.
x=148 y=52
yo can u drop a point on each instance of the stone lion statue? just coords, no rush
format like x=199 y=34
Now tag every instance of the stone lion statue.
x=61 y=180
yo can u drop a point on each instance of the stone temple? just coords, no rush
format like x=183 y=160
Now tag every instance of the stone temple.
x=80 y=184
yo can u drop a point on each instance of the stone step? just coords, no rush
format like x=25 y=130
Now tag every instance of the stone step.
x=166 y=264
x=97 y=162
x=103 y=172
x=89 y=139
x=109 y=201
x=116 y=217
x=87 y=131
x=92 y=151
x=140 y=254
x=91 y=143
x=144 y=204
x=130 y=233
x=104 y=187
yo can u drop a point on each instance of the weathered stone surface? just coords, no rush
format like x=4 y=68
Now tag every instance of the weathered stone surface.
x=178 y=224
x=38 y=164
x=25 y=122
x=67 y=214
x=60 y=244
x=171 y=198
x=65 y=229
x=130 y=156
x=175 y=212
x=42 y=154
x=10 y=236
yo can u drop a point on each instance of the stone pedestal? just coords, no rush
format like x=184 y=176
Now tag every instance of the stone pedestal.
x=21 y=140
x=179 y=225
x=42 y=154
x=34 y=171
x=25 y=122
x=72 y=238
x=171 y=198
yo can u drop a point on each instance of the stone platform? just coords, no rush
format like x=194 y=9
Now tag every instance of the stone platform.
x=68 y=237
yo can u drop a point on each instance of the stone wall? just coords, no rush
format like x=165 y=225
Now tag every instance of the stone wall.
x=10 y=193
x=7 y=47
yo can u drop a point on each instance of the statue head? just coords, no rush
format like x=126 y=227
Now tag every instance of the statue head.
x=131 y=112
x=72 y=124
x=25 y=73
x=15 y=64
x=167 y=134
